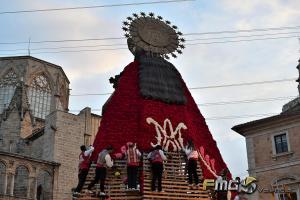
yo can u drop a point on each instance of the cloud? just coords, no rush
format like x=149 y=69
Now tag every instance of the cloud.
x=263 y=13
x=79 y=24
x=244 y=7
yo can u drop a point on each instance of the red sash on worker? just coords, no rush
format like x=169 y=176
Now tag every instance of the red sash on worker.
x=156 y=157
x=84 y=161
x=132 y=157
x=98 y=165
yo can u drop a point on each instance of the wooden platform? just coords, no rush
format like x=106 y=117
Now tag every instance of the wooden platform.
x=174 y=182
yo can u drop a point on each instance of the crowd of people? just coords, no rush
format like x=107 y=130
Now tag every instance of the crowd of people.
x=133 y=157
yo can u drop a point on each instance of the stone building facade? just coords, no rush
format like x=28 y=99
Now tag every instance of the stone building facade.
x=39 y=138
x=273 y=152
x=24 y=177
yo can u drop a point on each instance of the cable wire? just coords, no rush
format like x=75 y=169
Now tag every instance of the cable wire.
x=119 y=38
x=188 y=44
x=65 y=40
x=242 y=36
x=221 y=103
x=209 y=87
x=225 y=102
x=243 y=84
x=76 y=51
x=217 y=117
x=68 y=51
x=70 y=47
x=123 y=44
x=240 y=116
x=92 y=7
x=244 y=40
x=244 y=30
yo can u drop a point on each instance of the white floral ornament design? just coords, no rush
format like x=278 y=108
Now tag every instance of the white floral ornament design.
x=163 y=138
x=209 y=163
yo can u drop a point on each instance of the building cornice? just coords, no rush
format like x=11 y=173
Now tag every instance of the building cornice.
x=272 y=129
x=38 y=60
x=249 y=128
x=273 y=167
x=14 y=155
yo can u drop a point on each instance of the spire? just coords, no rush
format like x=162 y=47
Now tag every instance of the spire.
x=19 y=102
x=298 y=80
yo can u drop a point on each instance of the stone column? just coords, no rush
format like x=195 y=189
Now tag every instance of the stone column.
x=31 y=191
x=12 y=184
x=5 y=183
x=29 y=187
x=55 y=188
x=34 y=188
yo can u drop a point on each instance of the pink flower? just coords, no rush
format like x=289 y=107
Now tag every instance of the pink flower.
x=123 y=149
x=118 y=155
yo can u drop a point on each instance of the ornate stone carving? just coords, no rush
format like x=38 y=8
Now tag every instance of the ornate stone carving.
x=10 y=163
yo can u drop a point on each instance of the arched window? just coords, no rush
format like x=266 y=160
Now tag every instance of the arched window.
x=44 y=186
x=7 y=88
x=287 y=183
x=2 y=177
x=40 y=96
x=21 y=182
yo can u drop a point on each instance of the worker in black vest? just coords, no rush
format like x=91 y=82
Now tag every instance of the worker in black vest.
x=104 y=161
x=133 y=156
x=156 y=157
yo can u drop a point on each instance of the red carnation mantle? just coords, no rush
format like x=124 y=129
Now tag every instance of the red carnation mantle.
x=125 y=120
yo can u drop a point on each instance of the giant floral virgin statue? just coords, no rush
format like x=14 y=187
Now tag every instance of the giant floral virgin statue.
x=151 y=104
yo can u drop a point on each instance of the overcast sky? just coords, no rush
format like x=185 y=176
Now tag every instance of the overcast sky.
x=200 y=65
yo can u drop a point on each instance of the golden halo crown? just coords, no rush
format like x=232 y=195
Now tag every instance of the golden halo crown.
x=152 y=34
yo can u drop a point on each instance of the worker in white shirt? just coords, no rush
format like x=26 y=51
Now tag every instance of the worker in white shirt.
x=156 y=158
x=193 y=157
x=237 y=197
x=104 y=161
